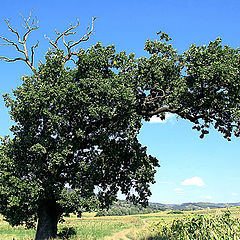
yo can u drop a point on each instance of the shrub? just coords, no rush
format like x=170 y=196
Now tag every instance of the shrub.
x=67 y=233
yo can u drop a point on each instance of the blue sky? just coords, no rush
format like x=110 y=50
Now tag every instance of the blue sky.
x=191 y=169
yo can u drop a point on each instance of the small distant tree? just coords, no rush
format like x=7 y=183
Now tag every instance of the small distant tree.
x=77 y=127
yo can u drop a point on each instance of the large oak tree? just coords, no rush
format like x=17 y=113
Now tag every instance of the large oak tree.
x=76 y=128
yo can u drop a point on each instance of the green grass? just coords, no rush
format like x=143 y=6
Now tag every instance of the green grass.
x=146 y=226
x=99 y=227
x=88 y=227
x=7 y=232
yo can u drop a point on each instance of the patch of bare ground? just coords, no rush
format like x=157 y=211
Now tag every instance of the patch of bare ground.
x=122 y=235
x=128 y=234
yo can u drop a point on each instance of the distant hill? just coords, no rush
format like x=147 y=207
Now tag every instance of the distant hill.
x=195 y=205
x=122 y=207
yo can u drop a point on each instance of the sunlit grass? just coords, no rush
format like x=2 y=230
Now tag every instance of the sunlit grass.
x=7 y=232
x=99 y=227
x=145 y=226
x=87 y=227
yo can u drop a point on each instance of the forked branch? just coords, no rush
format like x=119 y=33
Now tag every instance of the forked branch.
x=71 y=44
x=21 y=43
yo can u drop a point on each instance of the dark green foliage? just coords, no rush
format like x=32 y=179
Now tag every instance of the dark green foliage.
x=201 y=85
x=67 y=233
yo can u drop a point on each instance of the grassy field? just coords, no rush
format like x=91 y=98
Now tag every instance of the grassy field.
x=135 y=227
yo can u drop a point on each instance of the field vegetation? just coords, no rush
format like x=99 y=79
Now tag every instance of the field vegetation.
x=205 y=224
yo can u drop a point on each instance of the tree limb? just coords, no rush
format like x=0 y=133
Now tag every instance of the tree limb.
x=158 y=111
x=21 y=44
x=32 y=51
x=70 y=44
x=11 y=60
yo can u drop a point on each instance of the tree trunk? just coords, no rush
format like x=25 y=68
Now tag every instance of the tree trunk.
x=48 y=217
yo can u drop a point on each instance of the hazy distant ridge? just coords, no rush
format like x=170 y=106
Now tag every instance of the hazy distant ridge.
x=122 y=207
x=195 y=205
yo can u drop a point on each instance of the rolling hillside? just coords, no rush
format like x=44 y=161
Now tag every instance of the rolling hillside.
x=121 y=208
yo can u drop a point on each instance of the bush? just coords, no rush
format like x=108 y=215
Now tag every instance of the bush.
x=67 y=232
x=175 y=212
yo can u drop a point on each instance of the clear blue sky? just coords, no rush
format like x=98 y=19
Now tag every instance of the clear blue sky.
x=191 y=169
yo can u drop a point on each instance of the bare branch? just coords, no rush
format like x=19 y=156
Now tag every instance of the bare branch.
x=31 y=24
x=26 y=21
x=62 y=35
x=55 y=46
x=83 y=39
x=70 y=44
x=11 y=60
x=21 y=44
x=86 y=36
x=32 y=51
x=30 y=28
x=70 y=33
x=12 y=30
x=158 y=111
x=9 y=42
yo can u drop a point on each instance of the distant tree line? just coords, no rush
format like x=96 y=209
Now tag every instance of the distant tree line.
x=122 y=208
